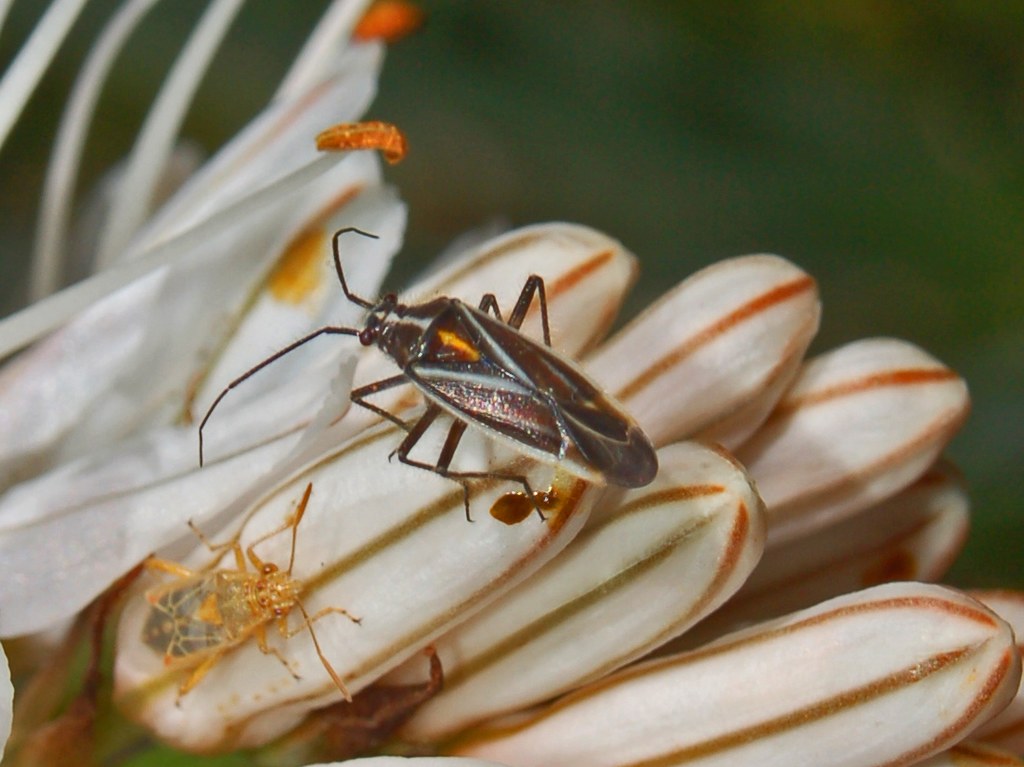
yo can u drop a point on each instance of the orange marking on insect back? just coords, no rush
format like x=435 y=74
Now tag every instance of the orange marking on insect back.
x=347 y=137
x=298 y=272
x=389 y=20
x=209 y=611
x=457 y=344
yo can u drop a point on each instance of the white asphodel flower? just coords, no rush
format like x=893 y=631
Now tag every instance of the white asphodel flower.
x=760 y=601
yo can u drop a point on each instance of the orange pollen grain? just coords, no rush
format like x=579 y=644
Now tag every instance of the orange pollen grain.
x=389 y=20
x=297 y=273
x=346 y=137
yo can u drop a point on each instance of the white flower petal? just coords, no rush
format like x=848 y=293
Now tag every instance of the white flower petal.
x=72 y=552
x=717 y=341
x=387 y=542
x=1006 y=729
x=66 y=535
x=130 y=359
x=889 y=675
x=279 y=141
x=971 y=754
x=419 y=761
x=737 y=427
x=667 y=555
x=6 y=701
x=859 y=424
x=915 y=535
x=318 y=54
x=49 y=390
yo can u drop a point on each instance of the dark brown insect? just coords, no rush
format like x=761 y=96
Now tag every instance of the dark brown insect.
x=483 y=372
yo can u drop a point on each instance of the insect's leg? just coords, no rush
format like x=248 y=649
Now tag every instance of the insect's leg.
x=358 y=397
x=324 y=331
x=282 y=627
x=534 y=284
x=416 y=432
x=213 y=547
x=519 y=479
x=156 y=593
x=166 y=566
x=447 y=451
x=260 y=632
x=490 y=303
x=198 y=673
x=217 y=548
x=289 y=633
x=291 y=523
x=444 y=459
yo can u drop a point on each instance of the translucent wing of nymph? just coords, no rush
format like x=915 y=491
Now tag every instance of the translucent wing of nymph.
x=184 y=620
x=487 y=373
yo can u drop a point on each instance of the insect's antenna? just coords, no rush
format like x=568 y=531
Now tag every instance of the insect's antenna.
x=323 y=659
x=299 y=511
x=324 y=331
x=337 y=265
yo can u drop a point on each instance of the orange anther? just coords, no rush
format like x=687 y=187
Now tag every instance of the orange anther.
x=388 y=20
x=367 y=135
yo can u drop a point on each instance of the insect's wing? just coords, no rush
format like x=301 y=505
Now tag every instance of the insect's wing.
x=469 y=374
x=178 y=625
x=607 y=437
x=599 y=431
x=495 y=376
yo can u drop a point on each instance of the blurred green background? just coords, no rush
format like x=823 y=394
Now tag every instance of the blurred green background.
x=878 y=145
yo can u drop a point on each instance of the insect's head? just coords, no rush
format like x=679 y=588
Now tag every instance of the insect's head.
x=275 y=592
x=376 y=321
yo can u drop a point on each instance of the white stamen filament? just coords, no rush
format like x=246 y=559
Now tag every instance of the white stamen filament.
x=61 y=174
x=24 y=73
x=156 y=138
